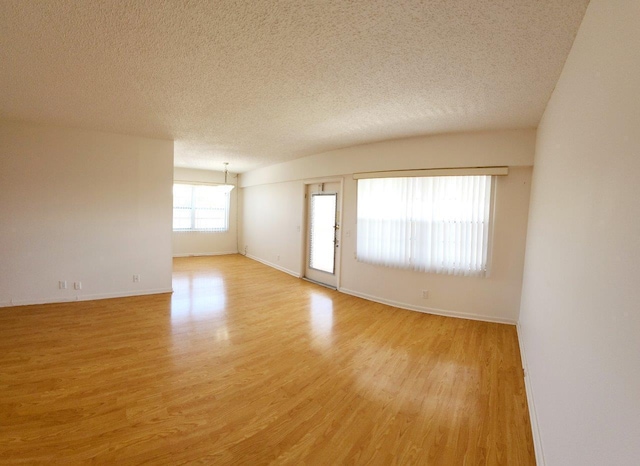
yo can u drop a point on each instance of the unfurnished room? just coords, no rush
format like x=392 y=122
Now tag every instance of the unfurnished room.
x=320 y=232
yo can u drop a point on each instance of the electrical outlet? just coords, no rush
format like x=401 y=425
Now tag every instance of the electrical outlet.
x=62 y=284
x=77 y=285
x=136 y=278
x=425 y=294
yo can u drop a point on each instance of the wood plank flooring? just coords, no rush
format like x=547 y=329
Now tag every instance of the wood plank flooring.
x=246 y=365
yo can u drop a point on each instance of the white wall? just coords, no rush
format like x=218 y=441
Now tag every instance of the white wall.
x=272 y=225
x=82 y=206
x=496 y=297
x=514 y=148
x=580 y=315
x=196 y=243
x=272 y=222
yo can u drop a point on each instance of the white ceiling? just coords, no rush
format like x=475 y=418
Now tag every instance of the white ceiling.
x=255 y=82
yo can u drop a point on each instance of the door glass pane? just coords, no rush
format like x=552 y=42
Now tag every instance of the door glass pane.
x=322 y=232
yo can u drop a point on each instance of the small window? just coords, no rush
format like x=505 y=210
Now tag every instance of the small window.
x=200 y=208
x=434 y=224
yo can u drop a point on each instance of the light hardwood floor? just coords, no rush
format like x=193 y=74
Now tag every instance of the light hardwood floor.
x=247 y=365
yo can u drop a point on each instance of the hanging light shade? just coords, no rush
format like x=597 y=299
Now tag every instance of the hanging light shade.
x=226 y=187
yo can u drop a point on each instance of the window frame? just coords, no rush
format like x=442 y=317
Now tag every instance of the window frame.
x=193 y=208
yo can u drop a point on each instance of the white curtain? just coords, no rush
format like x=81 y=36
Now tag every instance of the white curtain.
x=431 y=224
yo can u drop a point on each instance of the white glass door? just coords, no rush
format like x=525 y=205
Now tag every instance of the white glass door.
x=322 y=232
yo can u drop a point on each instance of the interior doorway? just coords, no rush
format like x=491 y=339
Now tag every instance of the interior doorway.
x=322 y=233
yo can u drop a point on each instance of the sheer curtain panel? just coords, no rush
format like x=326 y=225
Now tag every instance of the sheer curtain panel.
x=431 y=224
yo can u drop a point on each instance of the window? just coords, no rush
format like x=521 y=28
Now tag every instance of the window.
x=200 y=208
x=432 y=224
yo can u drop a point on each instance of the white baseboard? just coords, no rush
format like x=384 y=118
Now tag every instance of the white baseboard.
x=410 y=307
x=533 y=415
x=428 y=310
x=198 y=254
x=270 y=264
x=87 y=297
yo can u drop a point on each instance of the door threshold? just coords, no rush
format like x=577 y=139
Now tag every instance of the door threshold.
x=320 y=283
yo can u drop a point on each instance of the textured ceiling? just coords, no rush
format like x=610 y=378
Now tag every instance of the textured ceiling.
x=255 y=82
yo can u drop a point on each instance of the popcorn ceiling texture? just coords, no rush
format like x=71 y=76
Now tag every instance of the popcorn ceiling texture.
x=258 y=82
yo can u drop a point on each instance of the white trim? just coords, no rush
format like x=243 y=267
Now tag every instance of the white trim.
x=315 y=282
x=271 y=264
x=198 y=254
x=428 y=310
x=471 y=171
x=305 y=222
x=87 y=297
x=388 y=302
x=303 y=230
x=533 y=415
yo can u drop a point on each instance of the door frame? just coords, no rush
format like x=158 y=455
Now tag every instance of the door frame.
x=305 y=222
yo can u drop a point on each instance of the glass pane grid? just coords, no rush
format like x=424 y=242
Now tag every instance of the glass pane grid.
x=200 y=208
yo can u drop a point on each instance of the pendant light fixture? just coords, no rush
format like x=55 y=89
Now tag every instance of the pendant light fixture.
x=226 y=186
